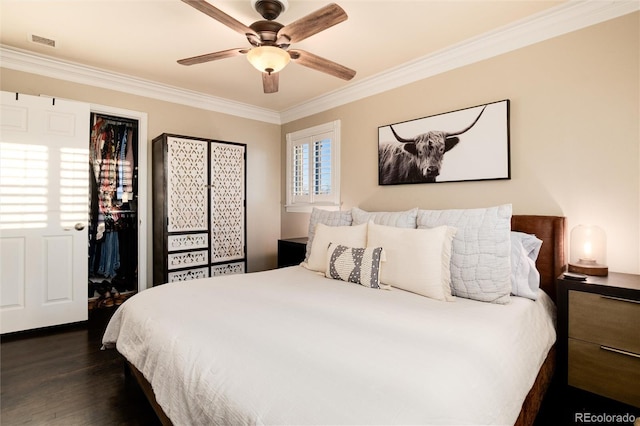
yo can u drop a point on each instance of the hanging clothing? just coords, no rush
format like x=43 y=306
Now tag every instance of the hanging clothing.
x=128 y=169
x=110 y=256
x=112 y=159
x=113 y=217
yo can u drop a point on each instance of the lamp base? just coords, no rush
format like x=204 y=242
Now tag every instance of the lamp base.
x=594 y=269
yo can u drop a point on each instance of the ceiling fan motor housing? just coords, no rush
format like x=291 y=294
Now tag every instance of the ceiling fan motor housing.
x=268 y=31
x=269 y=9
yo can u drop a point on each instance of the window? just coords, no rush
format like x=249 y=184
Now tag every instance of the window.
x=313 y=163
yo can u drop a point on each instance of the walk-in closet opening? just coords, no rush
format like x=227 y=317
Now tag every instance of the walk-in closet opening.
x=113 y=210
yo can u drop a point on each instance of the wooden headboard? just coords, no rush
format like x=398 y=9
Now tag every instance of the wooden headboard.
x=552 y=258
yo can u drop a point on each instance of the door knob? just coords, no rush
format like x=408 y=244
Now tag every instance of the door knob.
x=79 y=226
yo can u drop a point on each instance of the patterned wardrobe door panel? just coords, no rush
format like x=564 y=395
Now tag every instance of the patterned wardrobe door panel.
x=187 y=241
x=191 y=274
x=227 y=269
x=187 y=259
x=227 y=202
x=186 y=185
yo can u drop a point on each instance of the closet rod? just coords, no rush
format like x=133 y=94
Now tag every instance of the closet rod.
x=116 y=120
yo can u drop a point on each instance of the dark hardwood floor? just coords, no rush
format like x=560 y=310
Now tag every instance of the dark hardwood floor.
x=60 y=376
x=565 y=405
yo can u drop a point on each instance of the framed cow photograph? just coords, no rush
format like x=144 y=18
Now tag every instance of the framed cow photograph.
x=464 y=145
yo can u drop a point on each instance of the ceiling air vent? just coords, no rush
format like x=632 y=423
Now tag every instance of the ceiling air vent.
x=43 y=40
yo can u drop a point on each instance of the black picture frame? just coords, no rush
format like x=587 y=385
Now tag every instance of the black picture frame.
x=470 y=144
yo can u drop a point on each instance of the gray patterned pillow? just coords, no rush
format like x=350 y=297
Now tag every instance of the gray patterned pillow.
x=329 y=218
x=355 y=265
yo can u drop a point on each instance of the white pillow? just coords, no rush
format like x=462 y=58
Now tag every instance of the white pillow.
x=404 y=219
x=331 y=218
x=417 y=259
x=350 y=236
x=525 y=277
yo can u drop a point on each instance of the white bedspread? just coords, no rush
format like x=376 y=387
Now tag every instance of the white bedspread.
x=289 y=346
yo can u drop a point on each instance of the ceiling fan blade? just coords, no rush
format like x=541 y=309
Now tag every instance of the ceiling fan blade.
x=321 y=64
x=311 y=24
x=270 y=82
x=221 y=17
x=213 y=56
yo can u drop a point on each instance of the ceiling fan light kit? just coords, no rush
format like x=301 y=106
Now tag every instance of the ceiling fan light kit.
x=268 y=59
x=270 y=40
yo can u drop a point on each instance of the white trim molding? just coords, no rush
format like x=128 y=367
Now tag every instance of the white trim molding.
x=565 y=18
x=23 y=60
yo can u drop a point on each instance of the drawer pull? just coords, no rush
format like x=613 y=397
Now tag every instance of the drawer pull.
x=621 y=299
x=607 y=348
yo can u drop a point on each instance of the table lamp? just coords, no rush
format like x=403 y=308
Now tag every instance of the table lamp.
x=587 y=251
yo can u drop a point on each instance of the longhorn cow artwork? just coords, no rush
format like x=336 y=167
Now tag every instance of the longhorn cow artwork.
x=468 y=144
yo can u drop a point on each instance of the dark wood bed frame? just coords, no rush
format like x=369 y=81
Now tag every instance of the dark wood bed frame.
x=551 y=263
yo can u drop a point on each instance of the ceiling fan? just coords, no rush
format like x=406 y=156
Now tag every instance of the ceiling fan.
x=270 y=40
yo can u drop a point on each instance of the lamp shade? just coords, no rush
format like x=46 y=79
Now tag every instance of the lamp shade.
x=588 y=246
x=268 y=58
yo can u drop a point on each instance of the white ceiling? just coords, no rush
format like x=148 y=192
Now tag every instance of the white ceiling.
x=144 y=38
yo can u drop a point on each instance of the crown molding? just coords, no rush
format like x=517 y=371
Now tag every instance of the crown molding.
x=563 y=19
x=22 y=60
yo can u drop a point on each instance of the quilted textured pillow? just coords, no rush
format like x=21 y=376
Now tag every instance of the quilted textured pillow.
x=525 y=277
x=355 y=265
x=480 y=258
x=329 y=218
x=404 y=219
x=417 y=259
x=351 y=236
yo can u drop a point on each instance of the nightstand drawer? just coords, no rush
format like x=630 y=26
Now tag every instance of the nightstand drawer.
x=605 y=372
x=604 y=320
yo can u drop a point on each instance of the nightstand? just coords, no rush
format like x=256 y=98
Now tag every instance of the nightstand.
x=599 y=335
x=291 y=251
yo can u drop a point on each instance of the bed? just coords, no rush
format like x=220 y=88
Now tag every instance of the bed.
x=291 y=346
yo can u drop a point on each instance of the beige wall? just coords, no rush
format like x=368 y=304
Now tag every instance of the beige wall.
x=262 y=139
x=575 y=136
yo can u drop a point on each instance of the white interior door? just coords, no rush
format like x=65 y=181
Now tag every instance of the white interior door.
x=44 y=193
